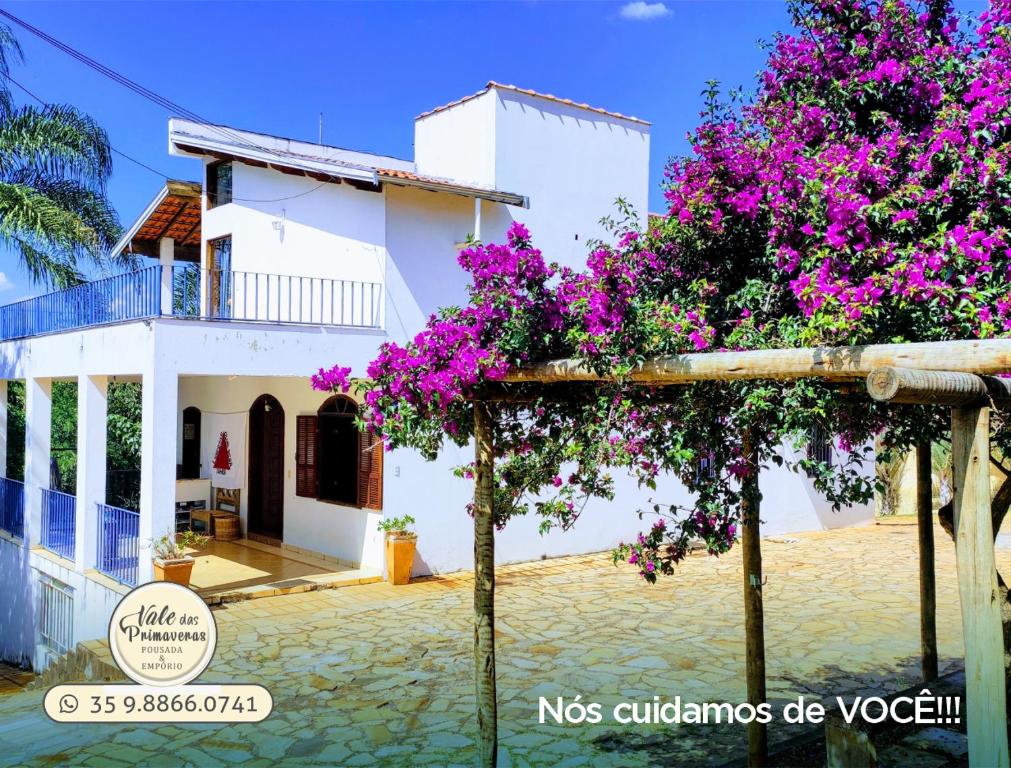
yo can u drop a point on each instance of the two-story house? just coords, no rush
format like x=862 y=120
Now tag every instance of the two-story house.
x=286 y=257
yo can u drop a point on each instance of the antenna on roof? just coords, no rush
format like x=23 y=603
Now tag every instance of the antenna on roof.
x=320 y=127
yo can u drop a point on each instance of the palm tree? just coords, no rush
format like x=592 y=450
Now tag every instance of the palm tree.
x=54 y=164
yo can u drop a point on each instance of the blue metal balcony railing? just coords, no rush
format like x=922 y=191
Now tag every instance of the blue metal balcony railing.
x=118 y=543
x=59 y=522
x=12 y=507
x=227 y=295
x=131 y=296
x=268 y=298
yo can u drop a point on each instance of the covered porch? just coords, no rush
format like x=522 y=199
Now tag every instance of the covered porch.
x=229 y=571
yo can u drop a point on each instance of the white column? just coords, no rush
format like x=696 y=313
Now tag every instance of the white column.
x=159 y=403
x=38 y=438
x=3 y=427
x=166 y=257
x=91 y=432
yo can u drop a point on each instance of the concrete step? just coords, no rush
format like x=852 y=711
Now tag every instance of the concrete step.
x=91 y=661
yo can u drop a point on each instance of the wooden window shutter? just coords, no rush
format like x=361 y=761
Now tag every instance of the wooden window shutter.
x=305 y=456
x=370 y=470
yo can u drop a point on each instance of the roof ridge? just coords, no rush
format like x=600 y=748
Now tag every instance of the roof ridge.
x=536 y=94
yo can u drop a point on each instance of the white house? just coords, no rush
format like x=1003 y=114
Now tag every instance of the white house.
x=290 y=256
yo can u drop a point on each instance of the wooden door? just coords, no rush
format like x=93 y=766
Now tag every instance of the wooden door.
x=266 y=470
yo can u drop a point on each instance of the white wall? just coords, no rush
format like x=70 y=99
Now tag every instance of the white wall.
x=94 y=603
x=572 y=164
x=329 y=230
x=17 y=606
x=445 y=541
x=459 y=143
x=423 y=230
x=322 y=230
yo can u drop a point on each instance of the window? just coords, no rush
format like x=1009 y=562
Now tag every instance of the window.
x=334 y=461
x=819 y=447
x=219 y=184
x=705 y=467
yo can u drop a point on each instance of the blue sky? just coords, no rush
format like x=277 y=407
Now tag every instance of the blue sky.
x=371 y=67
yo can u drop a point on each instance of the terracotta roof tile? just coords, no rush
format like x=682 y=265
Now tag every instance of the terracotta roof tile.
x=391 y=175
x=526 y=91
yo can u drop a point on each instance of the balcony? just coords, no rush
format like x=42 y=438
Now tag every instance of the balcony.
x=188 y=292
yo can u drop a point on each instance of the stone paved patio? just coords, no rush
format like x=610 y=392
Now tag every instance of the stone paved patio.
x=374 y=674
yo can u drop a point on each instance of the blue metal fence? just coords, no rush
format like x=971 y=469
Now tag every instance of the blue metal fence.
x=118 y=543
x=222 y=295
x=262 y=297
x=59 y=521
x=12 y=507
x=130 y=296
x=186 y=290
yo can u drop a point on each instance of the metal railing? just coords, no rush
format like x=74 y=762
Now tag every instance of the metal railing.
x=216 y=294
x=59 y=522
x=118 y=543
x=130 y=296
x=263 y=297
x=12 y=507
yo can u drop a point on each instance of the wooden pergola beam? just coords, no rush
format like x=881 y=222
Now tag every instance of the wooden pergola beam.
x=984 y=356
x=924 y=387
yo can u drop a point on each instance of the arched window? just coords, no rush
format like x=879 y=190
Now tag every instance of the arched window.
x=335 y=462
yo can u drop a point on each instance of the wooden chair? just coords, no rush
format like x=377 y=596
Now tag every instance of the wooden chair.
x=227 y=500
x=225 y=514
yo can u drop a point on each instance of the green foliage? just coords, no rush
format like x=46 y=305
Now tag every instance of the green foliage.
x=15 y=430
x=124 y=426
x=173 y=546
x=123 y=435
x=395 y=524
x=54 y=164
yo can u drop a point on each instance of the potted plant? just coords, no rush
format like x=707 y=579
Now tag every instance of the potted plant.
x=400 y=546
x=171 y=563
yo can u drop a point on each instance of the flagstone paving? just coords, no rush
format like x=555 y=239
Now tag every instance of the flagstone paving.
x=381 y=675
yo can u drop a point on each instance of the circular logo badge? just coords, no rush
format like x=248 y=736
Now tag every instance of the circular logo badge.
x=162 y=634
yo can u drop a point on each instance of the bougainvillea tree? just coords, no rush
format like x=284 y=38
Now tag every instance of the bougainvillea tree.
x=861 y=194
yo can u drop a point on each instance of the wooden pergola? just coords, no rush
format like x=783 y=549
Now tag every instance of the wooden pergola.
x=955 y=374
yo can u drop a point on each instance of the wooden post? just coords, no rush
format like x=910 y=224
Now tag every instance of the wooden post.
x=484 y=586
x=754 y=618
x=925 y=523
x=986 y=706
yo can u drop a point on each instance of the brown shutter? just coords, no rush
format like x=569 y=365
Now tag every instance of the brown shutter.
x=370 y=470
x=305 y=456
